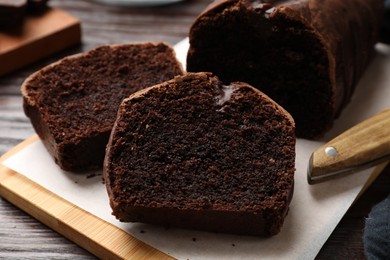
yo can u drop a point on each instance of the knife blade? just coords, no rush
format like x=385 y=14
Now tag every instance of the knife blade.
x=362 y=146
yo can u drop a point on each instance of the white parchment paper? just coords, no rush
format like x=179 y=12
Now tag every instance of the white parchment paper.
x=314 y=212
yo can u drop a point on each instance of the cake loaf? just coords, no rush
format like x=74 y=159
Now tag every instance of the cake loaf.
x=307 y=55
x=194 y=153
x=72 y=103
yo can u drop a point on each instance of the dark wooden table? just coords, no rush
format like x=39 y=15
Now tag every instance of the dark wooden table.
x=21 y=236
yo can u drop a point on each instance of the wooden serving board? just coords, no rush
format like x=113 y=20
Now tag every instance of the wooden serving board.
x=90 y=232
x=37 y=37
x=85 y=229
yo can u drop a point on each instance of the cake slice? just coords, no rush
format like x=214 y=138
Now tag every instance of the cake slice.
x=194 y=153
x=307 y=55
x=72 y=103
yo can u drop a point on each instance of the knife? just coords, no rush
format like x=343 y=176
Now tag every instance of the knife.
x=362 y=146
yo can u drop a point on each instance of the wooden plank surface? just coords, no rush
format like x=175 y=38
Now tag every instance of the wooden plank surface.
x=37 y=37
x=23 y=237
x=95 y=235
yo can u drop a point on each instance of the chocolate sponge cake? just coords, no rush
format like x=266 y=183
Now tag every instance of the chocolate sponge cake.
x=307 y=55
x=72 y=104
x=194 y=153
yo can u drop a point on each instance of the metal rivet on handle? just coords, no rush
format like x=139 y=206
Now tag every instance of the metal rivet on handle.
x=331 y=151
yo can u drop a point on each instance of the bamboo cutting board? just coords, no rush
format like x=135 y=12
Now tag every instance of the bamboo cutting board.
x=90 y=232
x=85 y=229
x=37 y=37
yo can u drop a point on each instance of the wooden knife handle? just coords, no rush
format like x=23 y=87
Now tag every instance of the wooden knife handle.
x=361 y=146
